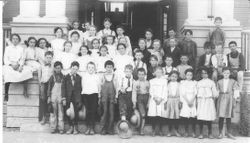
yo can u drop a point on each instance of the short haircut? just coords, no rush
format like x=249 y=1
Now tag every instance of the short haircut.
x=58 y=28
x=174 y=72
x=208 y=45
x=157 y=40
x=168 y=57
x=15 y=34
x=129 y=67
x=188 y=31
x=189 y=70
x=184 y=55
x=141 y=70
x=49 y=53
x=225 y=69
x=149 y=30
x=58 y=63
x=217 y=18
x=95 y=39
x=120 y=45
x=107 y=20
x=75 y=21
x=154 y=57
x=66 y=42
x=109 y=62
x=75 y=63
x=120 y=26
x=142 y=39
x=232 y=42
x=219 y=43
x=75 y=32
x=171 y=29
x=138 y=51
x=159 y=68
x=90 y=63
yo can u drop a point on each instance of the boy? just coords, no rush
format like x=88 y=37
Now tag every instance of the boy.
x=189 y=47
x=236 y=63
x=183 y=66
x=138 y=63
x=140 y=95
x=108 y=98
x=71 y=92
x=125 y=85
x=217 y=35
x=44 y=73
x=174 y=52
x=219 y=61
x=55 y=97
x=171 y=34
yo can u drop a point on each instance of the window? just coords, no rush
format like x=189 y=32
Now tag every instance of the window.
x=114 y=7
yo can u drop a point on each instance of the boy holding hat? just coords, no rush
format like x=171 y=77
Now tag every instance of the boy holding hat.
x=71 y=95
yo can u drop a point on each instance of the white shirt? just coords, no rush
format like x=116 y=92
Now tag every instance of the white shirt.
x=77 y=30
x=207 y=60
x=67 y=59
x=90 y=83
x=172 y=49
x=75 y=47
x=46 y=73
x=83 y=61
x=105 y=32
x=57 y=44
x=100 y=62
x=216 y=61
x=121 y=61
x=123 y=83
x=14 y=54
x=148 y=43
x=112 y=50
x=225 y=84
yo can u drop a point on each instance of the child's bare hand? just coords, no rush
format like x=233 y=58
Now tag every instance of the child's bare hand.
x=64 y=102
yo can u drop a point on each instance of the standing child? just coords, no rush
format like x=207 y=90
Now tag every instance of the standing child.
x=183 y=66
x=138 y=63
x=146 y=53
x=111 y=46
x=157 y=50
x=84 y=57
x=158 y=95
x=149 y=38
x=92 y=35
x=206 y=112
x=171 y=34
x=125 y=85
x=172 y=106
x=152 y=67
x=106 y=31
x=120 y=33
x=217 y=35
x=76 y=43
x=42 y=47
x=44 y=73
x=101 y=59
x=168 y=68
x=188 y=93
x=90 y=93
x=30 y=54
x=76 y=28
x=55 y=97
x=173 y=51
x=219 y=61
x=189 y=47
x=108 y=98
x=71 y=94
x=228 y=93
x=140 y=96
x=57 y=43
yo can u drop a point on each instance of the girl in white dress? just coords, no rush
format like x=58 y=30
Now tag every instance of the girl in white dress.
x=123 y=40
x=57 y=43
x=95 y=47
x=14 y=69
x=66 y=58
x=111 y=45
x=101 y=59
x=76 y=42
x=206 y=112
x=188 y=93
x=122 y=59
x=158 y=96
x=42 y=47
x=30 y=56
x=168 y=68
x=84 y=57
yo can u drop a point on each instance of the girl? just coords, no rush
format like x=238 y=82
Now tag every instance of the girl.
x=188 y=92
x=129 y=48
x=76 y=43
x=43 y=47
x=95 y=47
x=206 y=112
x=75 y=26
x=149 y=38
x=90 y=93
x=122 y=59
x=146 y=53
x=84 y=58
x=106 y=31
x=168 y=68
x=158 y=95
x=57 y=43
x=101 y=59
x=120 y=33
x=157 y=50
x=172 y=106
x=92 y=35
x=228 y=94
x=67 y=57
x=30 y=54
x=14 y=69
x=111 y=46
x=152 y=67
x=138 y=63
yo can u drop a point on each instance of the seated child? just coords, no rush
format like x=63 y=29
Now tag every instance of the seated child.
x=183 y=66
x=168 y=68
x=157 y=50
x=152 y=67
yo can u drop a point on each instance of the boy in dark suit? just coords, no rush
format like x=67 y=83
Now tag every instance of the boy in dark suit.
x=173 y=51
x=71 y=92
x=217 y=35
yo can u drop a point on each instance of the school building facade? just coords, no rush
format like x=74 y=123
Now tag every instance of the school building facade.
x=38 y=18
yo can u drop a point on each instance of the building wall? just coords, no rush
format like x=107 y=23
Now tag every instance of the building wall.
x=181 y=13
x=242 y=12
x=10 y=10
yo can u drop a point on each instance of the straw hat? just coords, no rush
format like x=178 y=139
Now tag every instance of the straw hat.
x=70 y=111
x=124 y=129
x=82 y=113
x=136 y=119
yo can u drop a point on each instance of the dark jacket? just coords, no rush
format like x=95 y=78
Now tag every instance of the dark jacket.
x=242 y=65
x=176 y=54
x=59 y=77
x=202 y=61
x=69 y=92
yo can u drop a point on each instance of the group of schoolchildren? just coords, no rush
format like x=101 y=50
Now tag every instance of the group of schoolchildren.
x=161 y=82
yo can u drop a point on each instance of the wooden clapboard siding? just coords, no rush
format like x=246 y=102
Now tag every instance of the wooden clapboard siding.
x=10 y=10
x=242 y=12
x=181 y=13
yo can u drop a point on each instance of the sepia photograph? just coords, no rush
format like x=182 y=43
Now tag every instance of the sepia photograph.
x=129 y=71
